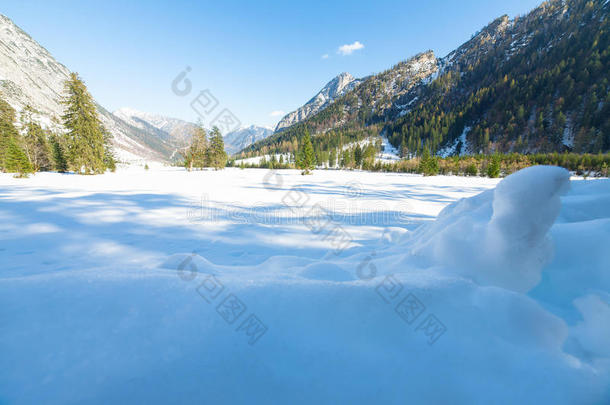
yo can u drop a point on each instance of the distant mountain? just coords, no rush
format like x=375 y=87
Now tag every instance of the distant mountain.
x=179 y=132
x=333 y=89
x=29 y=75
x=536 y=83
x=349 y=114
x=172 y=130
x=241 y=138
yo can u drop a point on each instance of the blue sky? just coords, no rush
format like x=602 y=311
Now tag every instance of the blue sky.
x=255 y=57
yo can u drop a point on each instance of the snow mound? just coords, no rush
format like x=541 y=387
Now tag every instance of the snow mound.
x=499 y=237
x=326 y=271
x=593 y=333
x=188 y=265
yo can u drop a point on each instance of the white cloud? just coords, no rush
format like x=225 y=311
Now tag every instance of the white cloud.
x=325 y=56
x=348 y=49
x=277 y=113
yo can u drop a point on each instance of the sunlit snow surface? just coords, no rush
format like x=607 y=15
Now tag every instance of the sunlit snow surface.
x=250 y=286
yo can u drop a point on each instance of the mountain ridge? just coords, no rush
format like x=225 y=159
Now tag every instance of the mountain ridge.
x=244 y=137
x=335 y=88
x=534 y=83
x=179 y=132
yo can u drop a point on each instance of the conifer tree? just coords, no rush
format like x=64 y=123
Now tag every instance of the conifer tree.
x=7 y=130
x=493 y=169
x=368 y=156
x=16 y=160
x=358 y=156
x=332 y=158
x=86 y=141
x=218 y=156
x=109 y=158
x=428 y=165
x=12 y=157
x=306 y=159
x=58 y=155
x=197 y=154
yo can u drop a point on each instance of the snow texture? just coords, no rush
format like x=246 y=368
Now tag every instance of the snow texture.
x=115 y=288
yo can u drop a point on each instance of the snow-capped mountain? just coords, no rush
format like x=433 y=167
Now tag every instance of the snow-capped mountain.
x=243 y=137
x=30 y=75
x=173 y=130
x=333 y=89
x=350 y=100
x=178 y=132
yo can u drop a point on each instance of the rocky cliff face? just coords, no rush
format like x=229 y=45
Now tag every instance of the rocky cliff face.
x=382 y=93
x=333 y=89
x=30 y=75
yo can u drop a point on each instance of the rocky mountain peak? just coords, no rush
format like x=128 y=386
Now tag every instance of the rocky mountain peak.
x=335 y=88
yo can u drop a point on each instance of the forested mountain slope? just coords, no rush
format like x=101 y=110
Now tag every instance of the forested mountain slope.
x=537 y=83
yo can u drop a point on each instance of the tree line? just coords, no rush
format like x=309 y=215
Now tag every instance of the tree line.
x=495 y=165
x=309 y=153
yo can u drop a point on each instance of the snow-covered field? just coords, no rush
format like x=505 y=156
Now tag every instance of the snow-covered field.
x=254 y=286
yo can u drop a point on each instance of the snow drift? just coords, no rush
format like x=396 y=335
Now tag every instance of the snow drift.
x=500 y=236
x=474 y=307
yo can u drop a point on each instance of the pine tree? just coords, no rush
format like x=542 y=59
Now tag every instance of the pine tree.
x=332 y=158
x=7 y=130
x=306 y=159
x=472 y=170
x=58 y=156
x=218 y=156
x=197 y=153
x=358 y=156
x=428 y=165
x=109 y=158
x=16 y=160
x=493 y=169
x=4 y=142
x=12 y=158
x=86 y=143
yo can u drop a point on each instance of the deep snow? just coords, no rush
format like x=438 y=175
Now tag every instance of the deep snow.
x=252 y=286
